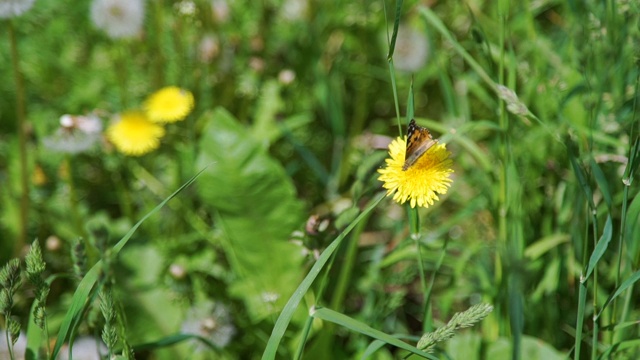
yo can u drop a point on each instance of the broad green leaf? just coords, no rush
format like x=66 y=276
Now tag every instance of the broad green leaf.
x=255 y=205
x=265 y=128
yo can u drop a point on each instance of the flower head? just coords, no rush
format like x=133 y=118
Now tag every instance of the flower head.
x=76 y=134
x=169 y=104
x=211 y=321
x=412 y=49
x=12 y=8
x=118 y=18
x=133 y=134
x=422 y=180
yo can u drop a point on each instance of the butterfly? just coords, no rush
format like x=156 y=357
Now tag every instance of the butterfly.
x=419 y=140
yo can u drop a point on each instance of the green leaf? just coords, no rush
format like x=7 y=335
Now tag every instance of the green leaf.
x=603 y=184
x=396 y=25
x=265 y=128
x=287 y=313
x=534 y=348
x=362 y=328
x=580 y=175
x=624 y=286
x=81 y=296
x=544 y=245
x=601 y=247
x=256 y=208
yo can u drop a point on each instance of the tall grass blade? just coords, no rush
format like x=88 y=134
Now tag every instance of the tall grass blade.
x=601 y=247
x=396 y=25
x=603 y=184
x=80 y=297
x=287 y=312
x=357 y=326
x=624 y=286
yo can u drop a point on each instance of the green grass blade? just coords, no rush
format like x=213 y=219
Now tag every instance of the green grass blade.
x=603 y=184
x=581 y=175
x=410 y=104
x=357 y=326
x=625 y=284
x=582 y=299
x=396 y=25
x=372 y=348
x=601 y=247
x=287 y=312
x=79 y=300
x=172 y=340
x=34 y=336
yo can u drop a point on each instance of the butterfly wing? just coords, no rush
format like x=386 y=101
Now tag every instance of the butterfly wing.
x=419 y=140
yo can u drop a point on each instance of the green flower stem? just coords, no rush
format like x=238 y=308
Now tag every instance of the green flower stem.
x=414 y=231
x=73 y=199
x=119 y=58
x=22 y=139
x=303 y=338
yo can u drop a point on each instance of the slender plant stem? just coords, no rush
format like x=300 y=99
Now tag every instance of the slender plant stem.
x=303 y=338
x=9 y=343
x=627 y=180
x=22 y=139
x=414 y=225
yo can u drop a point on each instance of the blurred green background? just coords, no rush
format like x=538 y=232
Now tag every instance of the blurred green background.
x=294 y=108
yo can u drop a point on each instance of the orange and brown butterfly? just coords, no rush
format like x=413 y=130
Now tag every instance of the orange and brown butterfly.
x=419 y=140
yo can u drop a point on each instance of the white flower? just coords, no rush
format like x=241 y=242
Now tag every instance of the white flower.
x=12 y=8
x=118 y=18
x=211 y=321
x=412 y=49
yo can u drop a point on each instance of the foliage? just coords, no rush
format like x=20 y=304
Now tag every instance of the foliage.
x=284 y=245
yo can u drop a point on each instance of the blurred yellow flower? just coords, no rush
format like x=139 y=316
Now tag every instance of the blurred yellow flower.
x=134 y=134
x=169 y=104
x=422 y=180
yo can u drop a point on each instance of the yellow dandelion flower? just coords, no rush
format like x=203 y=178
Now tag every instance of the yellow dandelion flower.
x=169 y=104
x=134 y=134
x=422 y=180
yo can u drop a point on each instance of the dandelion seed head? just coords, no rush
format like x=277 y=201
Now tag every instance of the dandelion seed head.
x=211 y=321
x=412 y=49
x=13 y=8
x=118 y=18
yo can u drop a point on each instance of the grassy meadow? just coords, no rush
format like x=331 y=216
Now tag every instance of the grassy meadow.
x=209 y=179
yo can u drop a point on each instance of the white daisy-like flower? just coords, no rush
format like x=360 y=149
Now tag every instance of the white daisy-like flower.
x=118 y=18
x=412 y=49
x=13 y=8
x=211 y=321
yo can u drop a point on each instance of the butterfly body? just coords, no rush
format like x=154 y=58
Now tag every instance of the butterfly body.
x=419 y=140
